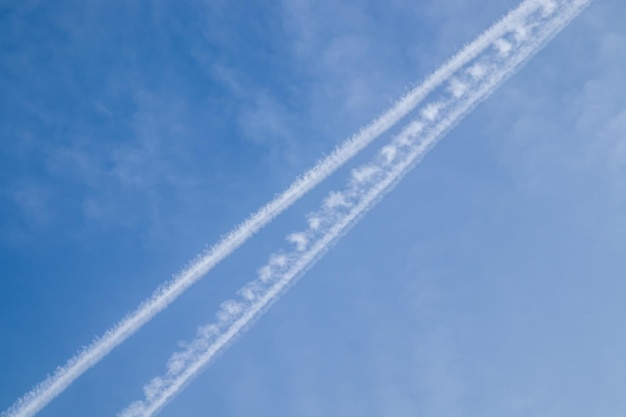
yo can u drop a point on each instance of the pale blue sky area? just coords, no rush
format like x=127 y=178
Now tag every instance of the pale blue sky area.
x=490 y=282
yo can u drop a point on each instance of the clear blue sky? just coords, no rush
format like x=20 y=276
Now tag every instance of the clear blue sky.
x=490 y=282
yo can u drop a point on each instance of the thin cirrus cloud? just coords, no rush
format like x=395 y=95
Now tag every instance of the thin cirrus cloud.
x=528 y=28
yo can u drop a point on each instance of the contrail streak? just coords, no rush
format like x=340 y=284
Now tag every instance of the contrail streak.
x=367 y=185
x=47 y=390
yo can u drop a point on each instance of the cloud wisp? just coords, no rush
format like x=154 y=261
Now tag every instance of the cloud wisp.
x=47 y=390
x=341 y=210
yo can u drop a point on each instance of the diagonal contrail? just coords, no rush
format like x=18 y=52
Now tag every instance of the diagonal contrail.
x=367 y=185
x=47 y=390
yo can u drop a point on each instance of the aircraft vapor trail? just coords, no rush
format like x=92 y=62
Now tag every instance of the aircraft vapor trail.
x=47 y=390
x=367 y=185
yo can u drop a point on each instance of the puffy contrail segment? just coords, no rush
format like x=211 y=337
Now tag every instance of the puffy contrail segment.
x=44 y=392
x=366 y=186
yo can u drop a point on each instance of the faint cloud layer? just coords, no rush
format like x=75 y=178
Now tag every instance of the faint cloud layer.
x=582 y=139
x=119 y=124
x=501 y=299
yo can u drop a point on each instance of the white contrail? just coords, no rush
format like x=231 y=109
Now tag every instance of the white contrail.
x=367 y=185
x=44 y=392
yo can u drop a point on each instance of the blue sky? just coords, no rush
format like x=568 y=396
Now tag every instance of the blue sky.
x=488 y=283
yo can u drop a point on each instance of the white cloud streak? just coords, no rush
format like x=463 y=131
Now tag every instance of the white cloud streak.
x=47 y=390
x=367 y=185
